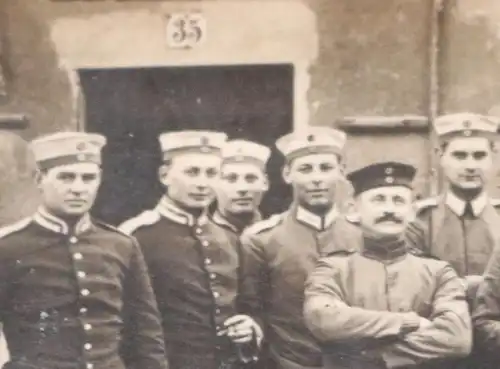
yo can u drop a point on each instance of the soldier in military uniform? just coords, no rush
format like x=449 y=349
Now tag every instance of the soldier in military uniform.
x=243 y=183
x=74 y=292
x=278 y=253
x=461 y=225
x=486 y=316
x=380 y=307
x=192 y=263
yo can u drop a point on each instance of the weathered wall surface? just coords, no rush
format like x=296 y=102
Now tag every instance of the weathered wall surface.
x=35 y=84
x=373 y=60
x=355 y=58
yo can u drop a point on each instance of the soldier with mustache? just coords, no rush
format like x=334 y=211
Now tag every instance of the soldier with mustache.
x=192 y=262
x=380 y=307
x=278 y=253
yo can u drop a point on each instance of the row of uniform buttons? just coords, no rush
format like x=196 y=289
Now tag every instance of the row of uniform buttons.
x=212 y=275
x=77 y=256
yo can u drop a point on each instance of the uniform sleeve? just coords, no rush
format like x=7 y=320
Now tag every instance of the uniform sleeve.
x=254 y=278
x=330 y=318
x=143 y=343
x=486 y=315
x=449 y=334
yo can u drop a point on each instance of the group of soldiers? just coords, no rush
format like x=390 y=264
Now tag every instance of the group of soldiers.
x=393 y=284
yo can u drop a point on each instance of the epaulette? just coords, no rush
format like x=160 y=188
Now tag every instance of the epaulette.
x=340 y=252
x=424 y=255
x=352 y=218
x=495 y=202
x=14 y=227
x=421 y=205
x=145 y=218
x=265 y=224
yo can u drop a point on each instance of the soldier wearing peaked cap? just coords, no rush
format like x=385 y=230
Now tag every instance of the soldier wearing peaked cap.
x=192 y=262
x=462 y=225
x=278 y=253
x=381 y=307
x=74 y=292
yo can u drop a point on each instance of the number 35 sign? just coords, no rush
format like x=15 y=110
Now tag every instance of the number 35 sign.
x=185 y=30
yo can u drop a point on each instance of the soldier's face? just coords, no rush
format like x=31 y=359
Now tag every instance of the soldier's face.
x=467 y=162
x=314 y=178
x=385 y=211
x=190 y=179
x=241 y=187
x=70 y=190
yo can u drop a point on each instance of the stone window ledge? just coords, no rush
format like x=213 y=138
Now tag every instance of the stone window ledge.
x=13 y=121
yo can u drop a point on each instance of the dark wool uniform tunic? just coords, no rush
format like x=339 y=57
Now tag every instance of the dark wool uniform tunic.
x=194 y=271
x=76 y=298
x=465 y=239
x=356 y=303
x=232 y=230
x=278 y=255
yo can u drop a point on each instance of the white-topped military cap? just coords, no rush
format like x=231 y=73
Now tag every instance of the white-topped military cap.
x=172 y=143
x=67 y=148
x=465 y=125
x=245 y=151
x=312 y=141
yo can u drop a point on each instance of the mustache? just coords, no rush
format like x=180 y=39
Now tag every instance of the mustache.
x=389 y=217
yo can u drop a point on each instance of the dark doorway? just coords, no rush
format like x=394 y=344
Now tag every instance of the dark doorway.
x=131 y=107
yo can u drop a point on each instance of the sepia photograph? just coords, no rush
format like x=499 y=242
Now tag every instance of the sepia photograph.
x=249 y=184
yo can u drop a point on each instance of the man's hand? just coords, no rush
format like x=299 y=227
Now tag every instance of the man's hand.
x=424 y=323
x=471 y=284
x=241 y=329
x=472 y=281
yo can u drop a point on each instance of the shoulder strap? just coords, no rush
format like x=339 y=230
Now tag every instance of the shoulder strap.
x=424 y=204
x=146 y=218
x=265 y=224
x=14 y=227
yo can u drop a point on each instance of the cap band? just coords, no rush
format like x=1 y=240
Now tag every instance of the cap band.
x=244 y=159
x=466 y=134
x=310 y=150
x=69 y=159
x=167 y=155
x=360 y=188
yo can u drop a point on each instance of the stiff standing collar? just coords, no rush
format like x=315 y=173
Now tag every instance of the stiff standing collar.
x=315 y=221
x=457 y=205
x=55 y=224
x=383 y=249
x=167 y=208
x=221 y=220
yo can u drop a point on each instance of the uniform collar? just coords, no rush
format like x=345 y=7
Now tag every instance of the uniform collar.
x=457 y=205
x=56 y=224
x=167 y=208
x=384 y=250
x=221 y=220
x=315 y=221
